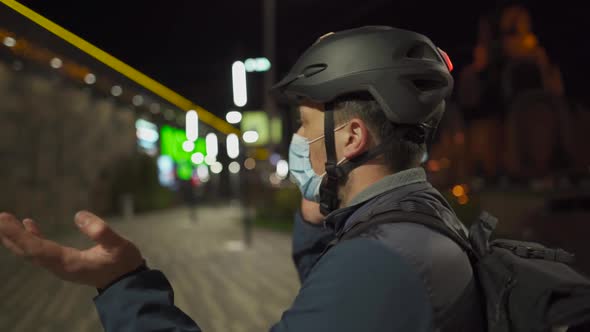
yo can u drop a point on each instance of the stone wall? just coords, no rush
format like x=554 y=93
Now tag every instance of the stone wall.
x=58 y=145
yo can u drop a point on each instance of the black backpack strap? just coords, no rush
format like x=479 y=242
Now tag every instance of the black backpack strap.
x=406 y=211
x=397 y=216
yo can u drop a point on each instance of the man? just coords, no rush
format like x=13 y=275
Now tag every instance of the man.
x=368 y=99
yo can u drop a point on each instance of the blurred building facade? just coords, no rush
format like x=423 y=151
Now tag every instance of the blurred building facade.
x=59 y=144
x=511 y=117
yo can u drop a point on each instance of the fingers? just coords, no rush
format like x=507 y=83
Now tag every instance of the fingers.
x=24 y=240
x=9 y=225
x=11 y=231
x=12 y=247
x=98 y=230
x=17 y=238
x=31 y=226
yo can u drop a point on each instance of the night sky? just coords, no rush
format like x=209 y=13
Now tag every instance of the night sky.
x=190 y=45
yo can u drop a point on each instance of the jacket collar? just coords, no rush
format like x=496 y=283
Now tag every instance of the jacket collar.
x=336 y=220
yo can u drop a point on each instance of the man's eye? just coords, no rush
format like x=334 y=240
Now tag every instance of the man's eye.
x=299 y=122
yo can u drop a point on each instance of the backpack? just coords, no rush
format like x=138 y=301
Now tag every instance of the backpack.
x=526 y=286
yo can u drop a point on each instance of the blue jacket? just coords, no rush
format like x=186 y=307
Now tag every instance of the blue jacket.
x=402 y=277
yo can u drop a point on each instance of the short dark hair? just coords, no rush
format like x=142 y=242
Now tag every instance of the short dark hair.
x=403 y=153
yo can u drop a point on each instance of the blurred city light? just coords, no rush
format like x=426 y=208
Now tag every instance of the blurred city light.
x=146 y=131
x=147 y=136
x=216 y=168
x=282 y=169
x=56 y=63
x=250 y=136
x=212 y=145
x=31 y=51
x=276 y=130
x=463 y=200
x=171 y=143
x=233 y=146
x=188 y=146
x=261 y=154
x=458 y=191
x=274 y=179
x=257 y=65
x=274 y=159
x=9 y=41
x=166 y=170
x=233 y=117
x=184 y=171
x=137 y=100
x=203 y=173
x=155 y=108
x=257 y=121
x=250 y=65
x=90 y=78
x=250 y=163
x=262 y=64
x=192 y=125
x=116 y=90
x=234 y=167
x=239 y=84
x=210 y=160
x=433 y=165
x=198 y=158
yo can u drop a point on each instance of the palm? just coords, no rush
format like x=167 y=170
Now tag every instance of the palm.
x=97 y=266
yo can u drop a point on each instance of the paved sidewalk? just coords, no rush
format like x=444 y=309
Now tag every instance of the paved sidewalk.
x=221 y=286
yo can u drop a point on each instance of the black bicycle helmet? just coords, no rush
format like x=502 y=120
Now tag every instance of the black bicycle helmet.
x=403 y=70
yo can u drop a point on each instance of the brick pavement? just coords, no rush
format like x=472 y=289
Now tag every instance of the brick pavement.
x=215 y=283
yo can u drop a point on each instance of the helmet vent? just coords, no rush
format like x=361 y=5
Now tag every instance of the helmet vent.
x=422 y=52
x=428 y=85
x=314 y=69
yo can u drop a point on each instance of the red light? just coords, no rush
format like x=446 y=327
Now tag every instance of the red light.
x=447 y=59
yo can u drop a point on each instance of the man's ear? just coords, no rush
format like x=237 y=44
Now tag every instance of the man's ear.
x=357 y=139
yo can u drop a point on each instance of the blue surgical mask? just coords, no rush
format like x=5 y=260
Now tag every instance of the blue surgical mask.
x=302 y=173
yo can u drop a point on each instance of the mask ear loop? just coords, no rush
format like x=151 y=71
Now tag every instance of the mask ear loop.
x=335 y=129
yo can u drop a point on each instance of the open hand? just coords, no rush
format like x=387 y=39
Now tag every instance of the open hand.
x=112 y=257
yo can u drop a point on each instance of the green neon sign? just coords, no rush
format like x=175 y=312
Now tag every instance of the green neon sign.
x=171 y=140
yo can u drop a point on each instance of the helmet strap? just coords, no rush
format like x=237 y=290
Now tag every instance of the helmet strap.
x=329 y=200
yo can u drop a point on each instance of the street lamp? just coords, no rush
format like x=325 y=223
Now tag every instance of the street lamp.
x=211 y=145
x=192 y=125
x=233 y=117
x=239 y=83
x=233 y=146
